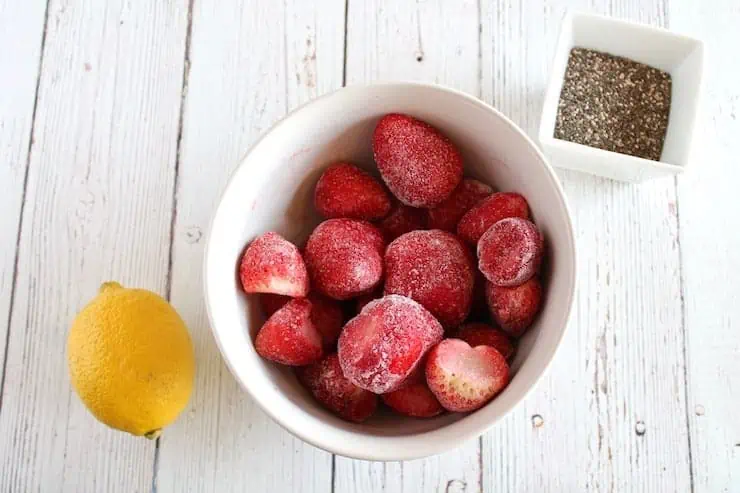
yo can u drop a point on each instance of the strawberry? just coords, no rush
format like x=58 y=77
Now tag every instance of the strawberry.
x=272 y=264
x=402 y=219
x=447 y=214
x=510 y=252
x=489 y=211
x=415 y=400
x=435 y=269
x=480 y=334
x=328 y=317
x=329 y=386
x=384 y=344
x=514 y=309
x=419 y=164
x=463 y=378
x=344 y=190
x=289 y=336
x=345 y=258
x=326 y=314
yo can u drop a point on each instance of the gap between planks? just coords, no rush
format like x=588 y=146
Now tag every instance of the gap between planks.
x=14 y=277
x=175 y=183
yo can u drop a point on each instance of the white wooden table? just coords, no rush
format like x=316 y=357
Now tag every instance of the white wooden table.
x=120 y=123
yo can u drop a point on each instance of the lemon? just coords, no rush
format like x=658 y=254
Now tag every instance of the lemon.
x=131 y=360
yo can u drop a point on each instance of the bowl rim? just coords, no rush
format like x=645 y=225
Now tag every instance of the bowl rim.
x=441 y=439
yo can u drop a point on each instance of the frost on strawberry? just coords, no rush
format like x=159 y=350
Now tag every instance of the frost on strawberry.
x=420 y=165
x=383 y=345
x=345 y=258
x=272 y=264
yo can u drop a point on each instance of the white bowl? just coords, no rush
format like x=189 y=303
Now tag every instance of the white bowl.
x=680 y=56
x=273 y=190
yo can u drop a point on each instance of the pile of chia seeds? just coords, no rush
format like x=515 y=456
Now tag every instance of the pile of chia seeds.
x=614 y=103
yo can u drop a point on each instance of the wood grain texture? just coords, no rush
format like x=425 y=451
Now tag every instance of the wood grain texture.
x=610 y=415
x=430 y=40
x=643 y=395
x=98 y=206
x=710 y=246
x=21 y=33
x=433 y=41
x=250 y=62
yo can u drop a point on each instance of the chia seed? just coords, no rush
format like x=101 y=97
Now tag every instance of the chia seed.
x=614 y=103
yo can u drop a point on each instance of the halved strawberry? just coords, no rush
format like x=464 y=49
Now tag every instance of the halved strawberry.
x=272 y=264
x=415 y=400
x=463 y=378
x=329 y=386
x=289 y=336
x=326 y=314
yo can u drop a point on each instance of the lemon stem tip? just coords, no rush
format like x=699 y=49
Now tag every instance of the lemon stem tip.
x=154 y=434
x=108 y=286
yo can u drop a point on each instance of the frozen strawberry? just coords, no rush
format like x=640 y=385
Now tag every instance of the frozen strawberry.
x=480 y=334
x=447 y=214
x=328 y=317
x=344 y=190
x=382 y=346
x=326 y=314
x=419 y=164
x=328 y=385
x=510 y=252
x=435 y=269
x=514 y=309
x=401 y=220
x=345 y=258
x=289 y=336
x=272 y=264
x=415 y=400
x=489 y=211
x=463 y=378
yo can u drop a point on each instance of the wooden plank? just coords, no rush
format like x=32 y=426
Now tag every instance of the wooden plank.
x=434 y=41
x=98 y=207
x=250 y=62
x=21 y=33
x=610 y=415
x=710 y=235
x=431 y=41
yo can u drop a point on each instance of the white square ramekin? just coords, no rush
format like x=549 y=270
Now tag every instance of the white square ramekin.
x=682 y=57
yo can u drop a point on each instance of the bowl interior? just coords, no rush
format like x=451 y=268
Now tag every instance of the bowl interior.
x=273 y=190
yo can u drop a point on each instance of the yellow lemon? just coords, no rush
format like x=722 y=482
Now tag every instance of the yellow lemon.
x=131 y=360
